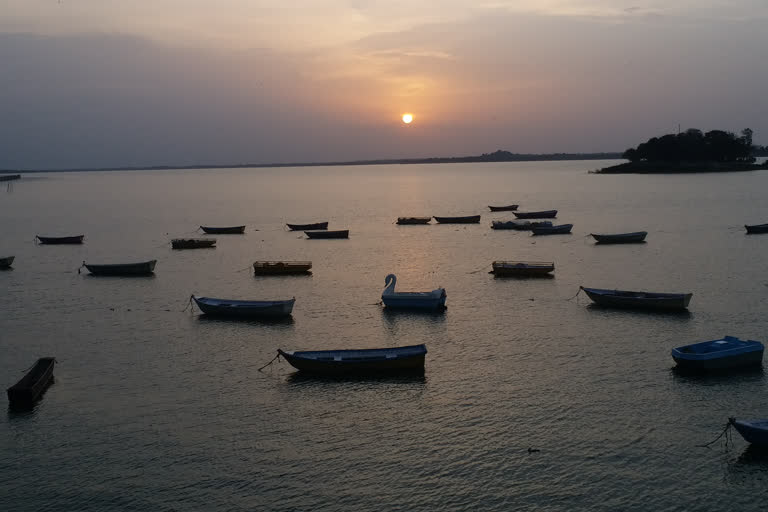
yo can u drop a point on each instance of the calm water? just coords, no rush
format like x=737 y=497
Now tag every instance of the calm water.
x=155 y=408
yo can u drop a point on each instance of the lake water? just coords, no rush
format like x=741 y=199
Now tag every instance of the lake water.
x=156 y=408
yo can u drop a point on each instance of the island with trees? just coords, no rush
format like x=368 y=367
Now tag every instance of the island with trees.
x=691 y=151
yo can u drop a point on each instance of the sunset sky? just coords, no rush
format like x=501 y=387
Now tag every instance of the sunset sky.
x=96 y=83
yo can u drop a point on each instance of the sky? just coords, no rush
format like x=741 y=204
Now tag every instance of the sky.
x=118 y=83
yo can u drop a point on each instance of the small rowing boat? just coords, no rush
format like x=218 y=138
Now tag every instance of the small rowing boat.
x=307 y=227
x=276 y=268
x=9 y=177
x=413 y=220
x=620 y=238
x=60 y=240
x=30 y=388
x=469 y=219
x=727 y=352
x=544 y=214
x=562 y=229
x=359 y=362
x=7 y=261
x=638 y=300
x=193 y=243
x=756 y=228
x=245 y=309
x=143 y=268
x=753 y=431
x=429 y=301
x=522 y=268
x=508 y=208
x=520 y=225
x=229 y=230
x=342 y=233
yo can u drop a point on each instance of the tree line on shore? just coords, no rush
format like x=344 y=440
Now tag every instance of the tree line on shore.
x=693 y=145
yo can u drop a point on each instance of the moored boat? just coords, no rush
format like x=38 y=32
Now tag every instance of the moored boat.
x=756 y=228
x=228 y=230
x=620 y=238
x=562 y=229
x=469 y=219
x=9 y=177
x=30 y=388
x=307 y=227
x=413 y=220
x=7 y=261
x=60 y=240
x=543 y=214
x=359 y=362
x=274 y=268
x=143 y=268
x=638 y=300
x=341 y=233
x=522 y=268
x=753 y=431
x=520 y=225
x=245 y=309
x=727 y=352
x=193 y=243
x=508 y=208
x=425 y=301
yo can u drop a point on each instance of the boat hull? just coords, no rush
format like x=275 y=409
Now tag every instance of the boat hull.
x=143 y=268
x=343 y=233
x=519 y=225
x=413 y=220
x=623 y=299
x=245 y=309
x=279 y=268
x=507 y=208
x=60 y=240
x=753 y=431
x=414 y=303
x=470 y=219
x=193 y=243
x=308 y=227
x=563 y=229
x=544 y=214
x=9 y=177
x=757 y=229
x=230 y=230
x=522 y=268
x=620 y=238
x=728 y=352
x=7 y=262
x=358 y=362
x=31 y=387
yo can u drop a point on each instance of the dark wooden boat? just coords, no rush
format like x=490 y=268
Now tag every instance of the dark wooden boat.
x=522 y=268
x=520 y=225
x=245 y=309
x=725 y=353
x=507 y=208
x=230 y=230
x=413 y=220
x=60 y=240
x=30 y=388
x=544 y=214
x=9 y=177
x=639 y=300
x=753 y=431
x=7 y=261
x=143 y=268
x=562 y=229
x=193 y=243
x=343 y=233
x=756 y=228
x=308 y=227
x=621 y=238
x=469 y=219
x=277 y=268
x=358 y=362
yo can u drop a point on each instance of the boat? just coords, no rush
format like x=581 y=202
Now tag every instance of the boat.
x=469 y=219
x=544 y=214
x=9 y=177
x=143 y=268
x=60 y=240
x=245 y=308
x=520 y=225
x=273 y=268
x=359 y=362
x=522 y=268
x=413 y=220
x=621 y=238
x=307 y=227
x=231 y=230
x=753 y=431
x=727 y=352
x=7 y=261
x=562 y=229
x=756 y=228
x=30 y=388
x=639 y=300
x=425 y=301
x=507 y=208
x=193 y=243
x=342 y=233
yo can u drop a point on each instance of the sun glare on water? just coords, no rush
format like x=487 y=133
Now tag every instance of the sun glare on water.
x=407 y=118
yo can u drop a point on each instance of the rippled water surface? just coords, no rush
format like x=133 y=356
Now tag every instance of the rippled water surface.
x=157 y=408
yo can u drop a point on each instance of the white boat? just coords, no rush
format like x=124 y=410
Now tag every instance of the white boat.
x=429 y=301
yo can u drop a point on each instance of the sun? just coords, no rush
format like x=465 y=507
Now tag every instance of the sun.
x=407 y=118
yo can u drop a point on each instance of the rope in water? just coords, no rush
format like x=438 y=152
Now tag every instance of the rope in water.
x=577 y=294
x=269 y=363
x=723 y=433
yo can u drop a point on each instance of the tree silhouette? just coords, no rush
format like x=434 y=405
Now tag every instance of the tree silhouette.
x=693 y=145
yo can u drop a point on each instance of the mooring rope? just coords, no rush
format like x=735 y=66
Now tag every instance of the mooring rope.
x=723 y=433
x=81 y=266
x=269 y=363
x=246 y=268
x=190 y=304
x=479 y=270
x=577 y=294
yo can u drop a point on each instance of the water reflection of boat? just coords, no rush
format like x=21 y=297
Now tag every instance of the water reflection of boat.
x=277 y=268
x=193 y=243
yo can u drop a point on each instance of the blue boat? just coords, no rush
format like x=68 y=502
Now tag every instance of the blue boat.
x=728 y=352
x=424 y=301
x=360 y=362
x=245 y=308
x=753 y=431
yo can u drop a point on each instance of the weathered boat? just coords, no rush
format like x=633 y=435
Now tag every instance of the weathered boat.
x=753 y=431
x=520 y=225
x=7 y=261
x=245 y=309
x=307 y=227
x=60 y=240
x=469 y=219
x=424 y=301
x=727 y=352
x=544 y=214
x=562 y=229
x=756 y=228
x=276 y=268
x=522 y=268
x=30 y=388
x=342 y=233
x=508 y=208
x=193 y=243
x=359 y=362
x=413 y=220
x=638 y=300
x=143 y=268
x=621 y=238
x=229 y=230
x=9 y=177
